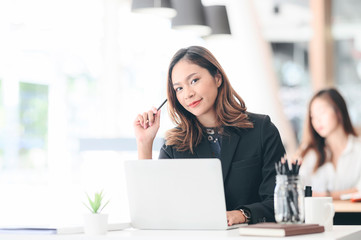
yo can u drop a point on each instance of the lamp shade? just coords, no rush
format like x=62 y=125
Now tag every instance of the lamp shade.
x=190 y=17
x=217 y=19
x=156 y=7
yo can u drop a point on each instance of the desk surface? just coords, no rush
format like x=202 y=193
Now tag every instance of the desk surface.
x=338 y=232
x=347 y=206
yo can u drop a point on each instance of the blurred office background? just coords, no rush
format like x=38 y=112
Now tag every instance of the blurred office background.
x=74 y=74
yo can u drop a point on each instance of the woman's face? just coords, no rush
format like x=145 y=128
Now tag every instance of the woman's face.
x=323 y=117
x=196 y=89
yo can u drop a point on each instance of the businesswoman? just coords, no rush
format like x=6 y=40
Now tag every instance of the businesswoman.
x=211 y=121
x=330 y=149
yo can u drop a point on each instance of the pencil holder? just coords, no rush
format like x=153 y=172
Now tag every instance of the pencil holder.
x=289 y=199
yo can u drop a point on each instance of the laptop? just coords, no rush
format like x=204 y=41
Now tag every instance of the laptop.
x=176 y=194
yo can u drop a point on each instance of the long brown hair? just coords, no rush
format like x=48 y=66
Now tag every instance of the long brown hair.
x=311 y=139
x=229 y=106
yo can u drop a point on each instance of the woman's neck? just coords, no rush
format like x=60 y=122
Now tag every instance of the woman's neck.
x=208 y=120
x=337 y=142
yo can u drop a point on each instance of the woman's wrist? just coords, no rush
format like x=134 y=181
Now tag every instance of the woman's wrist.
x=243 y=218
x=145 y=150
x=246 y=215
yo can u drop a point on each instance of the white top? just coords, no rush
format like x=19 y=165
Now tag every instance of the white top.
x=346 y=176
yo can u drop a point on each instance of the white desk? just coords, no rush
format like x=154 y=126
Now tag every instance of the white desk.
x=339 y=232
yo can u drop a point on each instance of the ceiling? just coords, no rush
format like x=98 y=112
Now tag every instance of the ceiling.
x=293 y=19
x=290 y=20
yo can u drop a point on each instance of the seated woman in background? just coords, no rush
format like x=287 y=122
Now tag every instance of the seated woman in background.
x=330 y=150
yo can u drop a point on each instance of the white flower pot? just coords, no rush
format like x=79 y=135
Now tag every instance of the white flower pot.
x=95 y=223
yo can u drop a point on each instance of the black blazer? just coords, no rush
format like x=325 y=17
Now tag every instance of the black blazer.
x=248 y=159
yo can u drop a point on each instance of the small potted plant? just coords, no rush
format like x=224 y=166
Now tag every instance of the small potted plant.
x=95 y=222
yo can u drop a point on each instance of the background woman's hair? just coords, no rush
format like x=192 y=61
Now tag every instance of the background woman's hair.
x=312 y=140
x=230 y=107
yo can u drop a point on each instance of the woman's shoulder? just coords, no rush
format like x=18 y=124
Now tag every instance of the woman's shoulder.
x=261 y=121
x=257 y=119
x=257 y=116
x=309 y=158
x=262 y=126
x=355 y=139
x=308 y=163
x=353 y=144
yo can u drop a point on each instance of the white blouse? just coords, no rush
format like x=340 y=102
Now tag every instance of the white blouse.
x=327 y=178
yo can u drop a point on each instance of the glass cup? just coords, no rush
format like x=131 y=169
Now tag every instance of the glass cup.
x=289 y=199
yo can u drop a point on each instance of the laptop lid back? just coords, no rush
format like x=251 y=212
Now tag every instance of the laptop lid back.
x=176 y=194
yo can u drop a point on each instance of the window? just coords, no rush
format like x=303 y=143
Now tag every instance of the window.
x=2 y=126
x=33 y=125
x=74 y=70
x=291 y=66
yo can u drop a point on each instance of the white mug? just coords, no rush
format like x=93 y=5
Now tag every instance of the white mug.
x=319 y=210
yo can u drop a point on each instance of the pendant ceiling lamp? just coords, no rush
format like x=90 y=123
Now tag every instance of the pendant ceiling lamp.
x=217 y=19
x=190 y=17
x=161 y=8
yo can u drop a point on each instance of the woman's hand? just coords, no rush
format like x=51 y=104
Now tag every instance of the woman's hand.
x=320 y=194
x=336 y=195
x=146 y=126
x=235 y=217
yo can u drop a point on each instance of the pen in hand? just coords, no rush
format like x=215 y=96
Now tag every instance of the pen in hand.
x=158 y=108
x=161 y=105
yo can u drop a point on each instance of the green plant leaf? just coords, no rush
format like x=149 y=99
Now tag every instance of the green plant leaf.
x=87 y=207
x=104 y=206
x=96 y=204
x=92 y=205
